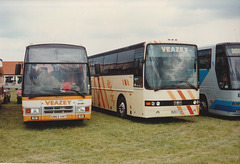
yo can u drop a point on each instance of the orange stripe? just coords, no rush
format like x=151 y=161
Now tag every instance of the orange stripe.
x=174 y=98
x=181 y=95
x=96 y=91
x=191 y=94
x=190 y=109
x=105 y=92
x=171 y=95
x=192 y=97
x=101 y=92
x=197 y=109
x=180 y=108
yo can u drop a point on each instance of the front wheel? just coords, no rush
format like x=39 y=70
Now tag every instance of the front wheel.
x=122 y=107
x=203 y=106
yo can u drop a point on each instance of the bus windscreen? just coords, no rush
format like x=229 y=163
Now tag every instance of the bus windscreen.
x=233 y=53
x=56 y=79
x=171 y=66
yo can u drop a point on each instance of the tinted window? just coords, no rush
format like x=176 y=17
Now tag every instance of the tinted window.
x=126 y=56
x=110 y=59
x=204 y=59
x=121 y=63
x=109 y=66
x=222 y=70
x=91 y=65
x=125 y=63
x=98 y=62
x=138 y=59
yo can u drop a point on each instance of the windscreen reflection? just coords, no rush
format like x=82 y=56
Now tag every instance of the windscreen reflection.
x=233 y=51
x=170 y=67
x=56 y=79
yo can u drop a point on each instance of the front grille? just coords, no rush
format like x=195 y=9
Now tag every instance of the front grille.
x=58 y=109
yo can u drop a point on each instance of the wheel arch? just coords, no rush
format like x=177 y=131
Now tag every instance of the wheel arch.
x=120 y=98
x=202 y=97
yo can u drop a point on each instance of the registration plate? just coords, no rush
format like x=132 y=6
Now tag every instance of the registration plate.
x=176 y=112
x=58 y=116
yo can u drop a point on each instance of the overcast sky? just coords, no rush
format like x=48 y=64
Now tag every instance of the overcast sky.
x=103 y=25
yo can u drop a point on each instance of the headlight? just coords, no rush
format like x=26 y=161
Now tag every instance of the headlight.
x=152 y=103
x=81 y=109
x=195 y=102
x=33 y=111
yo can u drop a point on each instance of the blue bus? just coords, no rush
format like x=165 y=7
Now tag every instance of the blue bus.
x=219 y=71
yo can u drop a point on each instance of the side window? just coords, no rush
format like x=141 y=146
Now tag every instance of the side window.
x=125 y=62
x=98 y=65
x=222 y=70
x=109 y=67
x=91 y=65
x=138 y=64
x=204 y=59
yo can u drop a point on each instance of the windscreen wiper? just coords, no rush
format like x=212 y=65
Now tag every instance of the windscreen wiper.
x=190 y=84
x=62 y=89
x=163 y=87
x=38 y=95
x=74 y=91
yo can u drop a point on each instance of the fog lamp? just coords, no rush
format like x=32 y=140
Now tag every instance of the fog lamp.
x=81 y=116
x=35 y=118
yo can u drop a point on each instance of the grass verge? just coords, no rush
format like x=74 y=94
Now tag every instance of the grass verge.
x=108 y=139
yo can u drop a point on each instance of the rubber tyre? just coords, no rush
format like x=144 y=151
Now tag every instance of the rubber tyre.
x=203 y=106
x=122 y=107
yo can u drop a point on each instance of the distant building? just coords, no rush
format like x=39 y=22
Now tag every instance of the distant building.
x=10 y=79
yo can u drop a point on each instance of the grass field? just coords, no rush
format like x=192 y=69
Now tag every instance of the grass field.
x=108 y=139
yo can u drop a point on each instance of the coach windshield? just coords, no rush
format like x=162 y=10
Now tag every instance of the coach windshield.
x=171 y=66
x=233 y=53
x=56 y=79
x=56 y=69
